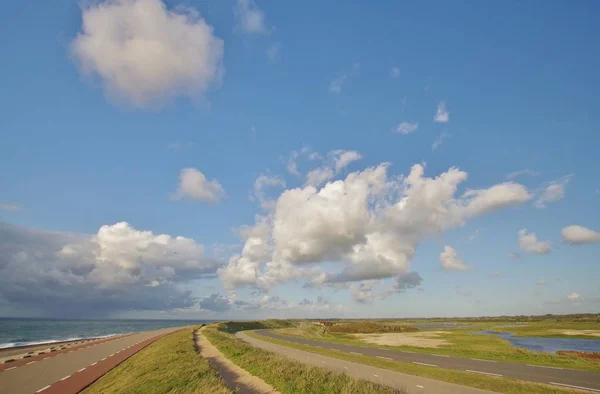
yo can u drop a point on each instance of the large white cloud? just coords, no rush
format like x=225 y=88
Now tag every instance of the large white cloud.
x=116 y=269
x=146 y=54
x=193 y=185
x=529 y=243
x=577 y=235
x=368 y=221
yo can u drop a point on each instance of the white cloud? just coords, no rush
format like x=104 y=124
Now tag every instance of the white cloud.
x=529 y=243
x=337 y=161
x=519 y=173
x=193 y=185
x=117 y=268
x=342 y=158
x=249 y=17
x=263 y=182
x=362 y=293
x=574 y=297
x=578 y=235
x=406 y=128
x=370 y=223
x=11 y=207
x=292 y=164
x=395 y=72
x=273 y=52
x=146 y=54
x=439 y=140
x=514 y=256
x=451 y=261
x=337 y=84
x=441 y=115
x=551 y=192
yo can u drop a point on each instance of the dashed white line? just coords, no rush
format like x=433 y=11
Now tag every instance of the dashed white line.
x=91 y=365
x=42 y=389
x=542 y=366
x=442 y=355
x=384 y=358
x=419 y=386
x=428 y=365
x=66 y=377
x=406 y=351
x=8 y=369
x=81 y=370
x=31 y=362
x=484 y=373
x=480 y=359
x=575 y=387
x=358 y=354
x=376 y=375
x=111 y=355
x=103 y=359
x=345 y=367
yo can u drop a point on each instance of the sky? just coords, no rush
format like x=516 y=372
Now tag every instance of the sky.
x=249 y=159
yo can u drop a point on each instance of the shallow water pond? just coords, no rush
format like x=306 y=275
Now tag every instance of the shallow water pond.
x=548 y=345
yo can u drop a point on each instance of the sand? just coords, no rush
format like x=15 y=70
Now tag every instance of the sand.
x=591 y=333
x=426 y=339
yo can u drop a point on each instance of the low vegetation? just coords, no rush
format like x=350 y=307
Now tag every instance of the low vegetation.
x=366 y=327
x=500 y=385
x=169 y=365
x=235 y=326
x=285 y=375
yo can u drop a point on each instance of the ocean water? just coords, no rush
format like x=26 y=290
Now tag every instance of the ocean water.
x=21 y=332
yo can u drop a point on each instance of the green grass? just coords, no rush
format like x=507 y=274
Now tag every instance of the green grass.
x=501 y=385
x=462 y=343
x=235 y=326
x=286 y=375
x=369 y=327
x=169 y=365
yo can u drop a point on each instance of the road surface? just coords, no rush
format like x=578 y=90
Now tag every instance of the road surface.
x=70 y=370
x=397 y=380
x=561 y=377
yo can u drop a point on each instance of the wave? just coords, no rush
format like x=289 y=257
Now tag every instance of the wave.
x=9 y=345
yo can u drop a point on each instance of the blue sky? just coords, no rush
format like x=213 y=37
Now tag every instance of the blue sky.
x=98 y=123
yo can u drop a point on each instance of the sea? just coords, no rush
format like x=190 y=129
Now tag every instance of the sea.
x=22 y=332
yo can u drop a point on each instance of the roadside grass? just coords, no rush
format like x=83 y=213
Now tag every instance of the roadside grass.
x=169 y=365
x=463 y=343
x=286 y=375
x=501 y=385
x=235 y=326
x=367 y=327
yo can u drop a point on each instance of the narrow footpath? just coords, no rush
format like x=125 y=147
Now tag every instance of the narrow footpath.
x=397 y=380
x=239 y=380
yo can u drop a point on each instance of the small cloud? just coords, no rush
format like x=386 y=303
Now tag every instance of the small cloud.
x=406 y=128
x=578 y=235
x=273 y=52
x=439 y=140
x=529 y=243
x=11 y=207
x=451 y=261
x=574 y=297
x=395 y=73
x=514 y=255
x=519 y=173
x=337 y=84
x=193 y=185
x=249 y=17
x=441 y=115
x=551 y=192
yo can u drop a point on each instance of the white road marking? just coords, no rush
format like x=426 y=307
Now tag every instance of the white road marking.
x=576 y=387
x=359 y=354
x=419 y=386
x=384 y=358
x=543 y=366
x=406 y=351
x=376 y=375
x=428 y=365
x=8 y=369
x=81 y=370
x=323 y=362
x=66 y=377
x=94 y=363
x=480 y=359
x=31 y=362
x=345 y=367
x=485 y=373
x=111 y=355
x=42 y=389
x=103 y=359
x=443 y=355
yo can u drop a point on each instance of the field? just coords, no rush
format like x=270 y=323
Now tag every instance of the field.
x=285 y=375
x=169 y=365
x=461 y=342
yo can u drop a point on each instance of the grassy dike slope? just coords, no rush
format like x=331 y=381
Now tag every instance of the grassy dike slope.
x=285 y=375
x=169 y=365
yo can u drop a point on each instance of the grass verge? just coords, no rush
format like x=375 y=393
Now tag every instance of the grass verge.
x=501 y=385
x=169 y=365
x=286 y=375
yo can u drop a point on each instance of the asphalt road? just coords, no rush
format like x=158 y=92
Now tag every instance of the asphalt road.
x=72 y=369
x=549 y=375
x=396 y=380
